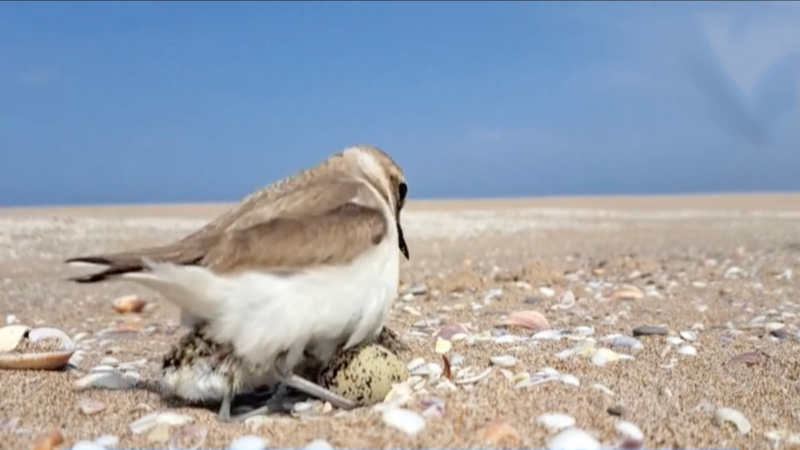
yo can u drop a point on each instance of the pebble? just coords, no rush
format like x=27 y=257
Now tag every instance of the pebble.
x=48 y=441
x=616 y=410
x=250 y=442
x=779 y=333
x=404 y=420
x=647 y=330
x=573 y=439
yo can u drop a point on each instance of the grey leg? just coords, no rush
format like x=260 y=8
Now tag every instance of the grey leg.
x=311 y=388
x=225 y=408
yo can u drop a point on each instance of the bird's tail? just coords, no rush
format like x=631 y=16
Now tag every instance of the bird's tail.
x=120 y=263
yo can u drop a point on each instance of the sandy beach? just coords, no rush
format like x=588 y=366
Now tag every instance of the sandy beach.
x=712 y=277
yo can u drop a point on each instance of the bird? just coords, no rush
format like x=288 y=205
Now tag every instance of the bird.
x=301 y=268
x=200 y=370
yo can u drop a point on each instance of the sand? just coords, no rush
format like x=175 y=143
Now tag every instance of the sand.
x=686 y=248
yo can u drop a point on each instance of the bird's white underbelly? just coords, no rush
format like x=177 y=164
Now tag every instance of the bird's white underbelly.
x=325 y=307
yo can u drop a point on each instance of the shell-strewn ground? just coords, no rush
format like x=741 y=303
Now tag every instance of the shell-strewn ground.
x=724 y=271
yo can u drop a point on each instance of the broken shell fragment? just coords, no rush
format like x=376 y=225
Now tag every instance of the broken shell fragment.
x=732 y=416
x=129 y=304
x=532 y=320
x=55 y=348
x=627 y=293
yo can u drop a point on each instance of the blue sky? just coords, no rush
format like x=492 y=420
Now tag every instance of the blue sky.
x=104 y=102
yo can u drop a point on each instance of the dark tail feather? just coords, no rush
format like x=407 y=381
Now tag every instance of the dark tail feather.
x=128 y=262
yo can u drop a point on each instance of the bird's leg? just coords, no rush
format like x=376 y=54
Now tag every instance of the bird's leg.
x=225 y=408
x=309 y=387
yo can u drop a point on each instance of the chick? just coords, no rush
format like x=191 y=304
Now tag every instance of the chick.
x=200 y=371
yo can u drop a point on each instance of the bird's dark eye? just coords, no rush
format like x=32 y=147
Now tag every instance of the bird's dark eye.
x=402 y=191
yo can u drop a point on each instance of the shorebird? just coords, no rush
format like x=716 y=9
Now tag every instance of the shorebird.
x=305 y=267
x=200 y=370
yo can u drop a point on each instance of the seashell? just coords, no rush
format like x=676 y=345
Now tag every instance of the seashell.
x=674 y=340
x=749 y=358
x=107 y=440
x=603 y=356
x=448 y=331
x=48 y=441
x=688 y=335
x=790 y=438
x=556 y=421
x=738 y=419
x=627 y=293
x=105 y=380
x=89 y=406
x=573 y=439
x=415 y=364
x=11 y=336
x=318 y=444
x=503 y=361
x=551 y=335
x=569 y=379
x=44 y=360
x=188 y=437
x=687 y=350
x=404 y=420
x=565 y=301
x=496 y=432
x=160 y=433
x=547 y=291
x=365 y=373
x=628 y=342
x=443 y=346
x=128 y=304
x=249 y=442
x=604 y=389
x=629 y=430
x=530 y=319
x=474 y=378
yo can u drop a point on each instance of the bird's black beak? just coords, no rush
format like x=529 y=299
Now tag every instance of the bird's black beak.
x=403 y=246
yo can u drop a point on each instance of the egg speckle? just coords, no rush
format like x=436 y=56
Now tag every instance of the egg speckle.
x=364 y=373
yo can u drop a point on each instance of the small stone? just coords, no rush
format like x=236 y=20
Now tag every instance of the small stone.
x=649 y=331
x=128 y=304
x=616 y=410
x=249 y=442
x=48 y=441
x=779 y=333
x=749 y=358
x=627 y=342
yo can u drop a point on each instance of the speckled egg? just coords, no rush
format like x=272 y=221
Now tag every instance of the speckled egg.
x=364 y=373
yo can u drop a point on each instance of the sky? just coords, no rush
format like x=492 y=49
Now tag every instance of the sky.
x=145 y=102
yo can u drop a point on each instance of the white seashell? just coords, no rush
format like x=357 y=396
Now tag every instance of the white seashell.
x=689 y=335
x=107 y=440
x=11 y=319
x=109 y=361
x=443 y=346
x=603 y=356
x=687 y=350
x=105 y=380
x=38 y=334
x=549 y=371
x=90 y=406
x=546 y=291
x=87 y=445
x=503 y=361
x=674 y=340
x=318 y=444
x=144 y=423
x=404 y=420
x=446 y=385
x=99 y=369
x=733 y=416
x=415 y=363
x=249 y=442
x=571 y=380
x=573 y=439
x=550 y=335
x=565 y=301
x=627 y=342
x=475 y=378
x=629 y=430
x=604 y=389
x=556 y=421
x=790 y=438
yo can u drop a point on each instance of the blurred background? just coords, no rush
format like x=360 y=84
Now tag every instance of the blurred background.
x=116 y=102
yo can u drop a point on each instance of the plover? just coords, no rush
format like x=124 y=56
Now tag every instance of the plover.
x=309 y=270
x=200 y=370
